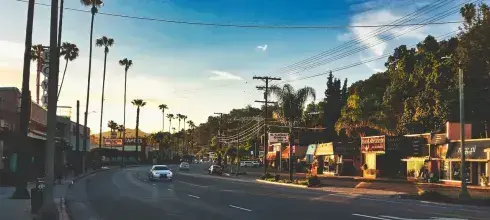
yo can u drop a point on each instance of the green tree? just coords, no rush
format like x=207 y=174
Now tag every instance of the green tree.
x=69 y=52
x=106 y=43
x=170 y=117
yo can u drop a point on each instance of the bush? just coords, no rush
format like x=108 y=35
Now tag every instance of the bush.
x=313 y=181
x=433 y=196
x=266 y=176
x=270 y=179
x=302 y=182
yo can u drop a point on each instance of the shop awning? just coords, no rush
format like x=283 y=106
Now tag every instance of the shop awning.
x=474 y=149
x=271 y=155
x=324 y=149
x=299 y=151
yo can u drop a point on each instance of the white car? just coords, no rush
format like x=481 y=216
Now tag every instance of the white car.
x=184 y=166
x=248 y=164
x=160 y=172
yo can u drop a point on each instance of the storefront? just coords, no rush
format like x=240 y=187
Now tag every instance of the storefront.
x=476 y=164
x=382 y=156
x=337 y=158
x=299 y=153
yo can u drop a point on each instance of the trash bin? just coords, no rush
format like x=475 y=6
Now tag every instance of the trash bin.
x=37 y=195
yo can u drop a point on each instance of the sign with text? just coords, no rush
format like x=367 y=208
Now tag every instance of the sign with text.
x=375 y=144
x=278 y=137
x=113 y=142
x=132 y=141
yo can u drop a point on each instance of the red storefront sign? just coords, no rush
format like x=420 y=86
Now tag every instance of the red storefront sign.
x=375 y=144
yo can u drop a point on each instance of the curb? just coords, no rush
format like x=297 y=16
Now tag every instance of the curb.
x=281 y=184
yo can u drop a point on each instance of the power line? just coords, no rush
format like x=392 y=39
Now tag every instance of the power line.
x=354 y=64
x=318 y=60
x=196 y=23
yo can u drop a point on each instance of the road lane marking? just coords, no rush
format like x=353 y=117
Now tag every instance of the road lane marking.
x=373 y=217
x=197 y=197
x=169 y=189
x=237 y=207
x=191 y=184
x=398 y=218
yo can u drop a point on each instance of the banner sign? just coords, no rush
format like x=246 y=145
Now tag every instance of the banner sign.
x=375 y=144
x=112 y=142
x=278 y=137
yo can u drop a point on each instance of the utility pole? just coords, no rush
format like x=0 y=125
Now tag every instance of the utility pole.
x=77 y=139
x=49 y=209
x=464 y=194
x=219 y=135
x=266 y=79
x=21 y=184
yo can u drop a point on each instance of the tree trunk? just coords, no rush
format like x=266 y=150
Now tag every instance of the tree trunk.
x=137 y=128
x=63 y=78
x=22 y=160
x=102 y=101
x=291 y=142
x=124 y=118
x=163 y=121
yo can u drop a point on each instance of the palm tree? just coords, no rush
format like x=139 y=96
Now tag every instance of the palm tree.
x=112 y=125
x=184 y=117
x=127 y=64
x=36 y=55
x=94 y=4
x=162 y=107
x=69 y=52
x=192 y=126
x=180 y=117
x=291 y=106
x=120 y=130
x=106 y=43
x=170 y=117
x=138 y=103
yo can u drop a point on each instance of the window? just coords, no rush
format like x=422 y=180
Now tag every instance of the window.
x=444 y=168
x=160 y=168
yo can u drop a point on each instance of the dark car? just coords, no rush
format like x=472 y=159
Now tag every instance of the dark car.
x=215 y=169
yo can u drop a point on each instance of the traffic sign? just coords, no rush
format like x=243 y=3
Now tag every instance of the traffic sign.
x=44 y=84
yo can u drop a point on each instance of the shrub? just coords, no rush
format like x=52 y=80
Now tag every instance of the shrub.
x=266 y=176
x=270 y=179
x=433 y=196
x=313 y=181
x=302 y=182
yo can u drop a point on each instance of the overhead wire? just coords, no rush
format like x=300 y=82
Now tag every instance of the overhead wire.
x=241 y=133
x=431 y=7
x=379 y=41
x=236 y=25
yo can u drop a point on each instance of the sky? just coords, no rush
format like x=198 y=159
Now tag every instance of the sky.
x=198 y=70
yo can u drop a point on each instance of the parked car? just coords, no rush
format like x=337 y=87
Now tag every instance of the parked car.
x=184 y=166
x=158 y=172
x=249 y=164
x=215 y=169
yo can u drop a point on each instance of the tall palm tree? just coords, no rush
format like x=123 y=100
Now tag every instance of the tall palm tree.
x=112 y=125
x=162 y=107
x=291 y=105
x=69 y=52
x=94 y=4
x=170 y=117
x=184 y=117
x=192 y=126
x=138 y=103
x=179 y=117
x=106 y=43
x=36 y=55
x=127 y=64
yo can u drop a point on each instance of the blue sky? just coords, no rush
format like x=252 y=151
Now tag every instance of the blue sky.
x=198 y=70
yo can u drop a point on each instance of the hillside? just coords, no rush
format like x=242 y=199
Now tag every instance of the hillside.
x=130 y=133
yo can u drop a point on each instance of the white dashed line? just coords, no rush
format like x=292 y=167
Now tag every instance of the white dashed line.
x=169 y=189
x=373 y=217
x=244 y=209
x=191 y=184
x=197 y=197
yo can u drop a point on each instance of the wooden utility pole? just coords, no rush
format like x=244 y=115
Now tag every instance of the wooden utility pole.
x=77 y=140
x=219 y=135
x=266 y=79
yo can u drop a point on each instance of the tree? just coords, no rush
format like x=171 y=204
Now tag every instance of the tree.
x=139 y=103
x=179 y=117
x=69 y=52
x=106 y=43
x=112 y=125
x=94 y=4
x=333 y=103
x=36 y=55
x=127 y=64
x=170 y=117
x=184 y=117
x=120 y=130
x=291 y=106
x=162 y=108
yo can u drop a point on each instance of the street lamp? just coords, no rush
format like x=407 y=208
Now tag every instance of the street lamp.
x=464 y=194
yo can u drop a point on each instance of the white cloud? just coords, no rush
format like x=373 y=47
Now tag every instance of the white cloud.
x=344 y=37
x=222 y=75
x=263 y=47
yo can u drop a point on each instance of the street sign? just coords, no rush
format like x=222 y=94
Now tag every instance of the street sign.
x=44 y=84
x=278 y=137
x=252 y=152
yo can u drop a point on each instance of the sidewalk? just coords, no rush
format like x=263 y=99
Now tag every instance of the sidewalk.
x=20 y=209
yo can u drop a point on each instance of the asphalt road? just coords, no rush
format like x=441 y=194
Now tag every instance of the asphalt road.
x=127 y=194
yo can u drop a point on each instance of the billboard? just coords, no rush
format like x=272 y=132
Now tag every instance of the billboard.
x=374 y=144
x=113 y=142
x=278 y=138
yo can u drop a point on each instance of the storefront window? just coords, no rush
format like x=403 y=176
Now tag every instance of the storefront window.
x=456 y=171
x=444 y=169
